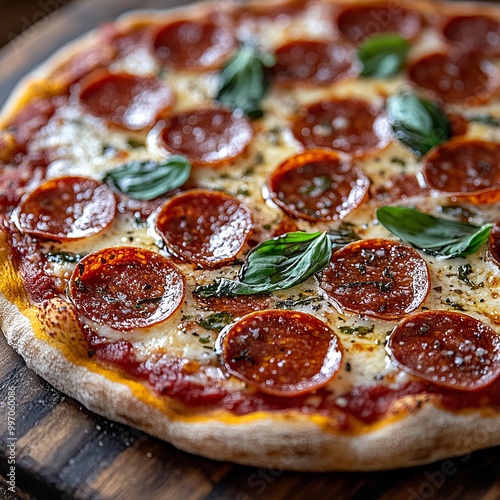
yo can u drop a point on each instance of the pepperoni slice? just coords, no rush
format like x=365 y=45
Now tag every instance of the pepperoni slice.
x=207 y=136
x=494 y=243
x=127 y=101
x=361 y=21
x=270 y=12
x=474 y=34
x=455 y=78
x=349 y=125
x=458 y=124
x=318 y=185
x=193 y=45
x=284 y=353
x=126 y=287
x=206 y=228
x=465 y=168
x=313 y=62
x=67 y=208
x=237 y=306
x=447 y=348
x=32 y=117
x=377 y=277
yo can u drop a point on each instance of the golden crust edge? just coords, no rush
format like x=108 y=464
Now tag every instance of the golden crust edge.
x=421 y=437
x=288 y=442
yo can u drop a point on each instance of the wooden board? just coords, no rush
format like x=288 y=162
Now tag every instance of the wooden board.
x=65 y=451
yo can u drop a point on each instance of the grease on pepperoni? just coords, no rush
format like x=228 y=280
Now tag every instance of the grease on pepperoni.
x=376 y=277
x=318 y=185
x=193 y=45
x=359 y=22
x=474 y=34
x=206 y=228
x=126 y=287
x=314 y=62
x=350 y=125
x=67 y=208
x=283 y=353
x=455 y=78
x=127 y=101
x=207 y=136
x=468 y=169
x=447 y=348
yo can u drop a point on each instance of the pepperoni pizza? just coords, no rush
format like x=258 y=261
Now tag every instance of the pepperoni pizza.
x=266 y=233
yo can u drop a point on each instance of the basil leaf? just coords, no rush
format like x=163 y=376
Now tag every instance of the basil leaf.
x=276 y=264
x=146 y=180
x=417 y=122
x=433 y=235
x=244 y=81
x=382 y=56
x=486 y=119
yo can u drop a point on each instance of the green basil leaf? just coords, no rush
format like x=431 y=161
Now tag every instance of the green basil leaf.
x=486 y=119
x=433 y=235
x=244 y=81
x=276 y=264
x=417 y=122
x=382 y=56
x=146 y=180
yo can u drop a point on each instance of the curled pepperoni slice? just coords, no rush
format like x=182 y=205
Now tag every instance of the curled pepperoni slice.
x=465 y=168
x=318 y=185
x=193 y=45
x=474 y=33
x=319 y=63
x=207 y=136
x=206 y=228
x=455 y=78
x=494 y=243
x=447 y=348
x=349 y=125
x=284 y=353
x=67 y=208
x=126 y=287
x=127 y=101
x=361 y=21
x=377 y=277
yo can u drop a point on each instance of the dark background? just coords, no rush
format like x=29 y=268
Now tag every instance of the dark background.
x=19 y=15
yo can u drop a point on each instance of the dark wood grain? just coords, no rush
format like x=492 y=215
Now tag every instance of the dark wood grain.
x=65 y=451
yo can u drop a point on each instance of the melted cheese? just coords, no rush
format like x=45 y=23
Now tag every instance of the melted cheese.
x=87 y=146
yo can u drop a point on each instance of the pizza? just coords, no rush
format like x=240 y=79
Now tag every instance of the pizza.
x=265 y=233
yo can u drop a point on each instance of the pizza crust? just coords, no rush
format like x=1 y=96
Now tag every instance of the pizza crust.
x=407 y=439
x=413 y=434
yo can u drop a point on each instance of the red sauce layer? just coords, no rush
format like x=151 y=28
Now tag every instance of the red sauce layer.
x=173 y=377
